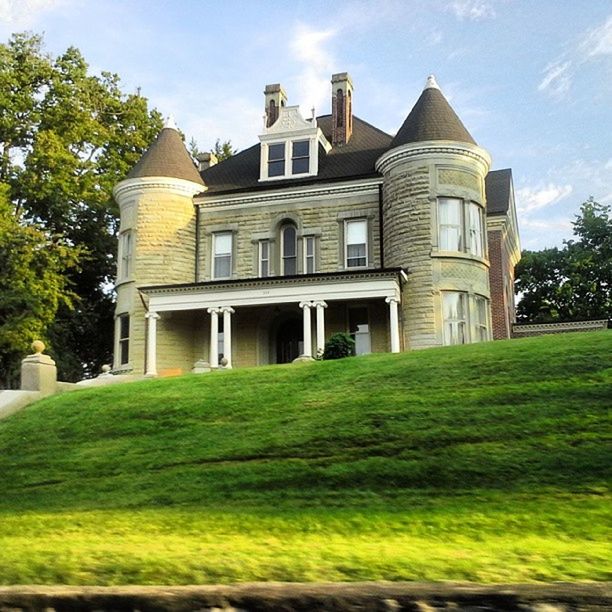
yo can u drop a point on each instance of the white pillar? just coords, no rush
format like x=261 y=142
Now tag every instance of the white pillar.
x=228 y=311
x=214 y=337
x=151 y=344
x=321 y=306
x=305 y=306
x=394 y=324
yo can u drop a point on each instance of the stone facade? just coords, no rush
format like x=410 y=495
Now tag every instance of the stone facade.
x=208 y=270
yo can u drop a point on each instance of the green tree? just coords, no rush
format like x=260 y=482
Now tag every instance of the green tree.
x=66 y=138
x=33 y=285
x=224 y=150
x=574 y=282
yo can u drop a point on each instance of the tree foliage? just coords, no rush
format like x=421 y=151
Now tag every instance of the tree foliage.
x=66 y=138
x=574 y=282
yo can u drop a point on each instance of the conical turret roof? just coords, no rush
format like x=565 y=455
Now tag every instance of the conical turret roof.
x=167 y=156
x=431 y=118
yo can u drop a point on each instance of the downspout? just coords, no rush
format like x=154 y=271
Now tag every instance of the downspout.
x=380 y=226
x=196 y=267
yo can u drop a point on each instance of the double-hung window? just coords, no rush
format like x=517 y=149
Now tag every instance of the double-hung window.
x=454 y=307
x=288 y=250
x=264 y=258
x=356 y=242
x=222 y=255
x=480 y=318
x=300 y=157
x=450 y=213
x=475 y=230
x=124 y=339
x=309 y=255
x=276 y=159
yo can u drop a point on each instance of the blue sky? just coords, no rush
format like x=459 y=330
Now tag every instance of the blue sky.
x=531 y=80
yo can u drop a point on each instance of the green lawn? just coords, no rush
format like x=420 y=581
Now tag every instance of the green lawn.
x=487 y=463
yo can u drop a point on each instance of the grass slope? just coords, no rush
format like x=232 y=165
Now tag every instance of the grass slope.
x=486 y=462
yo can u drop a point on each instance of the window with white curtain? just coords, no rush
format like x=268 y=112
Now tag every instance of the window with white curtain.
x=222 y=255
x=461 y=226
x=454 y=308
x=356 y=243
x=481 y=318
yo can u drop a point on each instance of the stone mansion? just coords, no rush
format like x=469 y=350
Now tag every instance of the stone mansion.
x=326 y=225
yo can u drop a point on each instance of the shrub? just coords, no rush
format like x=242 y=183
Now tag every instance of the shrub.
x=339 y=346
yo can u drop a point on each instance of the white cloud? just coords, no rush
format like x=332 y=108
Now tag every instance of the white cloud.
x=559 y=75
x=530 y=199
x=309 y=48
x=599 y=40
x=557 y=78
x=474 y=10
x=24 y=13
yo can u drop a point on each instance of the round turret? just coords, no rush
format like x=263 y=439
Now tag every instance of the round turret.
x=434 y=224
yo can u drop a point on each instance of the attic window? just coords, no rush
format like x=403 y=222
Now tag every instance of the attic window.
x=276 y=159
x=300 y=159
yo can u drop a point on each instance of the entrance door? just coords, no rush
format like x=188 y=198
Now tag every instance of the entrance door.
x=289 y=343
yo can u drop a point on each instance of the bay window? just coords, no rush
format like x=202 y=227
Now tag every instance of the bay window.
x=460 y=226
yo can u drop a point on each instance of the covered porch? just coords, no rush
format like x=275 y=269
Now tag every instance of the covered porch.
x=275 y=320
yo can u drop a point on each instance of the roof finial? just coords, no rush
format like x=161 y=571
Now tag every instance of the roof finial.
x=431 y=82
x=170 y=123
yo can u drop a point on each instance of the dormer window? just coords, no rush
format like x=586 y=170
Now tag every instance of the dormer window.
x=300 y=159
x=290 y=146
x=276 y=159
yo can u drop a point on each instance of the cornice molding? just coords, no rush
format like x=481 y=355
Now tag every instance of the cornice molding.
x=157 y=183
x=364 y=187
x=432 y=148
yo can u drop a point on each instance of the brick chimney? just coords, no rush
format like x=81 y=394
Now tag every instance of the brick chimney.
x=342 y=108
x=275 y=98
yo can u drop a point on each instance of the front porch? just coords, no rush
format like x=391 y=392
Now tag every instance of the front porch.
x=265 y=321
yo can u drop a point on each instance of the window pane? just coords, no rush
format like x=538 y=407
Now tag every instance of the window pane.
x=454 y=311
x=223 y=266
x=289 y=242
x=223 y=244
x=301 y=148
x=300 y=166
x=124 y=326
x=475 y=220
x=124 y=350
x=264 y=258
x=450 y=224
x=309 y=254
x=289 y=266
x=276 y=152
x=356 y=232
x=276 y=168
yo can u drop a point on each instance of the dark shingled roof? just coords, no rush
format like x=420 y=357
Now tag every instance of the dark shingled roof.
x=167 y=156
x=352 y=160
x=498 y=186
x=431 y=118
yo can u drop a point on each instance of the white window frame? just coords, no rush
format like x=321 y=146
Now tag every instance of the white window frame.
x=215 y=237
x=263 y=260
x=294 y=158
x=475 y=234
x=306 y=240
x=347 y=222
x=456 y=330
x=126 y=251
x=284 y=160
x=444 y=228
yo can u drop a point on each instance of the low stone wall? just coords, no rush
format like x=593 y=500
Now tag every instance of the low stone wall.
x=290 y=597
x=523 y=330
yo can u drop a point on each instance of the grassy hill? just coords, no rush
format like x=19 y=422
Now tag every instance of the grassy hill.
x=487 y=462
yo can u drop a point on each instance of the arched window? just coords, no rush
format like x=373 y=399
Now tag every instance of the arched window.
x=340 y=108
x=288 y=235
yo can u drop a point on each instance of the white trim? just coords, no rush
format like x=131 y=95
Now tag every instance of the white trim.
x=210 y=297
x=157 y=183
x=367 y=232
x=229 y=202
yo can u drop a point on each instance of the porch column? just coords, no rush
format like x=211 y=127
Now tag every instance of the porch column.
x=306 y=306
x=320 y=306
x=151 y=317
x=394 y=324
x=214 y=337
x=228 y=311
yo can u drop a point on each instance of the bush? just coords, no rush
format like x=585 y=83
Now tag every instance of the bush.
x=339 y=346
